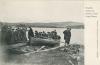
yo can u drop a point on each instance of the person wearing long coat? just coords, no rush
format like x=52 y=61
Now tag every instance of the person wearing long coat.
x=8 y=36
x=67 y=36
x=30 y=34
x=12 y=36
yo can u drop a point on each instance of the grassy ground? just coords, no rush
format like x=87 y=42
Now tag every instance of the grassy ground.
x=52 y=57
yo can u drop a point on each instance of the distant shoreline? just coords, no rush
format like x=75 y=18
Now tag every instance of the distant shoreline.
x=73 y=25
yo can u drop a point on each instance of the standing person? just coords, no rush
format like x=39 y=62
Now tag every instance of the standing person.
x=24 y=34
x=8 y=35
x=30 y=34
x=12 y=36
x=21 y=34
x=4 y=33
x=67 y=36
x=16 y=36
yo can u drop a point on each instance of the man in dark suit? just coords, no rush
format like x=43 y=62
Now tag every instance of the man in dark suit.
x=67 y=35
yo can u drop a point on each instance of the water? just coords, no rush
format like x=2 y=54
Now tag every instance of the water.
x=77 y=34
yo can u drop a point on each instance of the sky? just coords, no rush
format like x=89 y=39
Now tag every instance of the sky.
x=41 y=11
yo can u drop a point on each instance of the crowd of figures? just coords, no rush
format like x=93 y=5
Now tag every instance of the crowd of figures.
x=15 y=34
x=43 y=35
x=12 y=34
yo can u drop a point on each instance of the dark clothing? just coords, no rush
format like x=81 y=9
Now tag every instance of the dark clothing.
x=8 y=36
x=23 y=35
x=12 y=37
x=54 y=34
x=67 y=40
x=4 y=34
x=16 y=36
x=30 y=34
x=67 y=36
x=36 y=34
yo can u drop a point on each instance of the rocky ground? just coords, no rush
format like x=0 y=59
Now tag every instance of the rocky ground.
x=69 y=55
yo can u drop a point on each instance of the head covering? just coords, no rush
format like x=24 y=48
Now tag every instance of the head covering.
x=68 y=27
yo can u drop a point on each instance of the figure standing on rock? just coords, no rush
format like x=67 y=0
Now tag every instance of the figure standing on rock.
x=67 y=36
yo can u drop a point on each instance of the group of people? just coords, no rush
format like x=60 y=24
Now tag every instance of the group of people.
x=52 y=34
x=43 y=35
x=12 y=34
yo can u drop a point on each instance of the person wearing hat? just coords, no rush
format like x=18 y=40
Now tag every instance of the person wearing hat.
x=67 y=35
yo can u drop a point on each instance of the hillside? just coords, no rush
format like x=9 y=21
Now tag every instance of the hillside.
x=52 y=25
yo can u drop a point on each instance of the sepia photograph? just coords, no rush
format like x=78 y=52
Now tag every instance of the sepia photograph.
x=42 y=33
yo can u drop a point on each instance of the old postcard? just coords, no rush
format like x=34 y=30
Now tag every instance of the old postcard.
x=44 y=32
